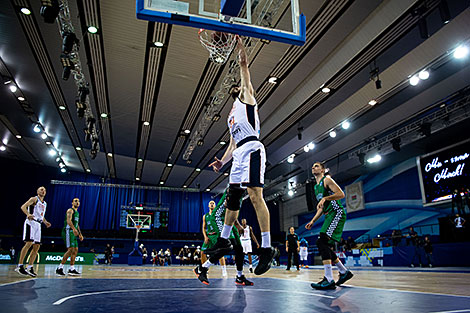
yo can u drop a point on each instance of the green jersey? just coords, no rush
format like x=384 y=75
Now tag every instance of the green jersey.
x=322 y=191
x=75 y=219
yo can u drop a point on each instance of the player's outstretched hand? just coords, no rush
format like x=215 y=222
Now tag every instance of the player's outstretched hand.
x=47 y=224
x=216 y=165
x=309 y=225
x=80 y=237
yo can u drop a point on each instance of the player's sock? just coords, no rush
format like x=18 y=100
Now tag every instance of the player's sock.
x=328 y=272
x=207 y=264
x=239 y=273
x=251 y=266
x=61 y=265
x=341 y=268
x=72 y=267
x=224 y=270
x=29 y=266
x=265 y=239
x=226 y=231
x=20 y=264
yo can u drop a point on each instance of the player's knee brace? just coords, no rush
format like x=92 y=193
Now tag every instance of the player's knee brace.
x=234 y=197
x=323 y=248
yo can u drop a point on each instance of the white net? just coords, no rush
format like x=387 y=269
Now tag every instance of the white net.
x=219 y=44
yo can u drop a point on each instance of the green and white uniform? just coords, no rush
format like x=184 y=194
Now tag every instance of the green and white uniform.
x=335 y=214
x=215 y=224
x=67 y=233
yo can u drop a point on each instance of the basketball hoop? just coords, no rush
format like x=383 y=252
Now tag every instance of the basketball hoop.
x=219 y=44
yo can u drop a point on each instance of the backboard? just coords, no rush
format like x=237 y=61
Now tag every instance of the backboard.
x=276 y=20
x=142 y=220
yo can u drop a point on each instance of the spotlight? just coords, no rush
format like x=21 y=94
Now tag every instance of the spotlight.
x=92 y=29
x=37 y=128
x=444 y=11
x=208 y=189
x=225 y=174
x=414 y=80
x=68 y=41
x=290 y=193
x=146 y=123
x=104 y=115
x=21 y=98
x=290 y=159
x=169 y=165
x=332 y=134
x=3 y=148
x=299 y=132
x=88 y=170
x=345 y=125
x=396 y=144
x=311 y=146
x=222 y=143
x=187 y=131
x=184 y=186
x=461 y=52
x=372 y=102
x=139 y=160
x=378 y=84
x=326 y=90
x=110 y=155
x=52 y=152
x=25 y=11
x=361 y=157
x=423 y=28
x=158 y=44
x=374 y=159
x=162 y=182
x=78 y=148
x=95 y=144
x=49 y=10
x=62 y=107
x=67 y=65
x=137 y=178
x=198 y=170
x=425 y=129
x=61 y=165
x=44 y=136
x=63 y=170
x=90 y=121
x=57 y=159
x=306 y=148
x=18 y=136
x=424 y=74
x=13 y=88
x=216 y=118
x=200 y=142
x=80 y=101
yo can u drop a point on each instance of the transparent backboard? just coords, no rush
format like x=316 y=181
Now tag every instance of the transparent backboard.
x=277 y=20
x=143 y=220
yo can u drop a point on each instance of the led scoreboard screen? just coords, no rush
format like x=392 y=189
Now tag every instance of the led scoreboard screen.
x=443 y=171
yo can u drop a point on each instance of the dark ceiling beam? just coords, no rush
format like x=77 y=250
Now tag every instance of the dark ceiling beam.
x=90 y=14
x=154 y=64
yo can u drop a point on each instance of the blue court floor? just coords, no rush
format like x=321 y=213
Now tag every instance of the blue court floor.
x=189 y=295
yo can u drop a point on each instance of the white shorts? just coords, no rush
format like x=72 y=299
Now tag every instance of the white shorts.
x=303 y=253
x=32 y=231
x=248 y=165
x=246 y=244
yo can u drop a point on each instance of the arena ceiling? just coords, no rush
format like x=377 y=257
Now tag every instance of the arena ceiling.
x=133 y=82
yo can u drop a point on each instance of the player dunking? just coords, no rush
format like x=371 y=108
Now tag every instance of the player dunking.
x=35 y=210
x=248 y=165
x=246 y=237
x=328 y=194
x=70 y=232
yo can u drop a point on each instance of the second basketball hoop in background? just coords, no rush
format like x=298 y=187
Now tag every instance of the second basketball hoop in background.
x=219 y=44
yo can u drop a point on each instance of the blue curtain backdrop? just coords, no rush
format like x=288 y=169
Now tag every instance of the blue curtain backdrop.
x=101 y=206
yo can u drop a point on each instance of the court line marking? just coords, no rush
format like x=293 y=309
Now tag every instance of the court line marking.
x=60 y=301
x=385 y=289
x=455 y=311
x=16 y=282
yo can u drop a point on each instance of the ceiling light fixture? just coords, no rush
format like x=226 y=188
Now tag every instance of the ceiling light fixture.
x=139 y=160
x=184 y=186
x=3 y=148
x=18 y=136
x=332 y=134
x=158 y=44
x=225 y=174
x=222 y=143
x=92 y=29
x=272 y=80
x=208 y=189
x=161 y=183
x=424 y=74
x=137 y=178
x=21 y=98
x=104 y=115
x=374 y=159
x=52 y=152
x=198 y=169
x=306 y=148
x=461 y=52
x=146 y=123
x=110 y=155
x=25 y=11
x=88 y=170
x=13 y=88
x=325 y=90
x=37 y=128
x=61 y=107
x=78 y=148
x=290 y=159
x=187 y=131
x=414 y=80
x=48 y=143
x=169 y=165
x=311 y=146
x=290 y=193
x=372 y=102
x=345 y=125
x=63 y=170
x=44 y=136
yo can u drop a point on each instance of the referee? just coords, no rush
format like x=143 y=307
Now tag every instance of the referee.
x=292 y=248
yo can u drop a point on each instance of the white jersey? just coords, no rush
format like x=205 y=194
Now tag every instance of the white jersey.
x=246 y=233
x=38 y=210
x=243 y=121
x=458 y=222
